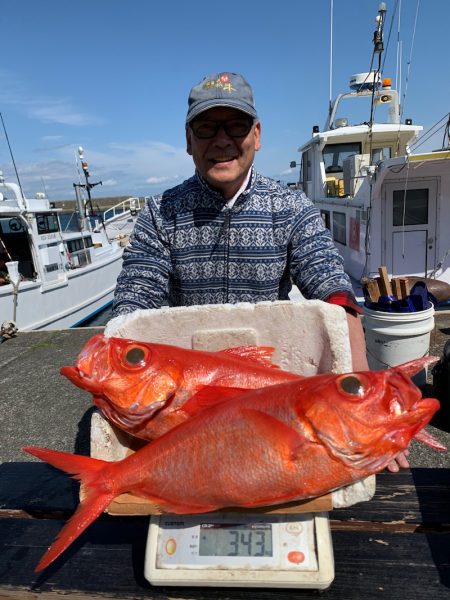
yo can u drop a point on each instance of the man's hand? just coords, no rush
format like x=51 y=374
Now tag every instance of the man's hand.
x=399 y=462
x=357 y=342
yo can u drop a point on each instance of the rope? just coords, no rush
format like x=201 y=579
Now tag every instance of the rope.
x=422 y=139
x=8 y=330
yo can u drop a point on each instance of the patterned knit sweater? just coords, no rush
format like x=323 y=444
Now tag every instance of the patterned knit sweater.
x=189 y=248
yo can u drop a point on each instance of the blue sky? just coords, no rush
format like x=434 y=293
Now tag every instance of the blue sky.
x=113 y=77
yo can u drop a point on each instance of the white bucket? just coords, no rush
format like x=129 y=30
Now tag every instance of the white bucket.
x=396 y=338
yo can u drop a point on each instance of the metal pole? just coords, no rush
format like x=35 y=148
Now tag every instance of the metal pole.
x=331 y=55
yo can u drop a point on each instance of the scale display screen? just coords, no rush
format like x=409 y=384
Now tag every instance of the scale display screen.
x=240 y=549
x=217 y=539
x=230 y=542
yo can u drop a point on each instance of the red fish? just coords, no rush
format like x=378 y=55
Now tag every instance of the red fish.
x=146 y=389
x=286 y=442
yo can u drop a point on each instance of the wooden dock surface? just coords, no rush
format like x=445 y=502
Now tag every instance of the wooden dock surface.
x=395 y=546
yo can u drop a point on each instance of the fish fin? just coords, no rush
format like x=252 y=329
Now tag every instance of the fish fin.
x=209 y=396
x=255 y=354
x=71 y=373
x=413 y=367
x=426 y=438
x=165 y=507
x=285 y=439
x=97 y=497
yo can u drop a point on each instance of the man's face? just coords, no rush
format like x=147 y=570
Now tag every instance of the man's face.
x=223 y=161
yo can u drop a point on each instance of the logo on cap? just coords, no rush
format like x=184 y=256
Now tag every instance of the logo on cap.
x=222 y=82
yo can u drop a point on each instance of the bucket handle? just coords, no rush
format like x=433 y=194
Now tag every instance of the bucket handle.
x=386 y=364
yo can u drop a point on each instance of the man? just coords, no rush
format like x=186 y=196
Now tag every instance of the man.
x=228 y=234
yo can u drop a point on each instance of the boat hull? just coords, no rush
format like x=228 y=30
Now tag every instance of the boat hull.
x=65 y=302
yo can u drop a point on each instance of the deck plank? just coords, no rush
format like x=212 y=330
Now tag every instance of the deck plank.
x=108 y=559
x=397 y=545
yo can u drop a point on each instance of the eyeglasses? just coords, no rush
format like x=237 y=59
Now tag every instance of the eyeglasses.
x=234 y=128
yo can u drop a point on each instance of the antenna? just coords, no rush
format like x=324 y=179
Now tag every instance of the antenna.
x=43 y=185
x=398 y=81
x=410 y=60
x=331 y=54
x=378 y=35
x=12 y=155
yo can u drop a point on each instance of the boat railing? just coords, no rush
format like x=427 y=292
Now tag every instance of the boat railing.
x=130 y=205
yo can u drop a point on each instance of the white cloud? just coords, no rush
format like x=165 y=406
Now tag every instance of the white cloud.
x=48 y=110
x=53 y=177
x=126 y=167
x=148 y=163
x=51 y=138
x=59 y=111
x=158 y=180
x=136 y=169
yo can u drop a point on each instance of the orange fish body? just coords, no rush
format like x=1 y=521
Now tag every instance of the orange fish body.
x=287 y=442
x=146 y=388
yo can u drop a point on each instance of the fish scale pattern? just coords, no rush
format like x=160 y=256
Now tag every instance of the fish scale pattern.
x=189 y=248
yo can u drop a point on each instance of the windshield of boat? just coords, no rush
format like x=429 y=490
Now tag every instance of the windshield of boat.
x=335 y=154
x=47 y=223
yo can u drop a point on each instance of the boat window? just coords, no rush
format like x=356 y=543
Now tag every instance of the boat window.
x=379 y=154
x=51 y=268
x=335 y=154
x=15 y=240
x=339 y=228
x=361 y=215
x=47 y=223
x=11 y=225
x=305 y=175
x=79 y=244
x=410 y=208
x=335 y=187
x=325 y=214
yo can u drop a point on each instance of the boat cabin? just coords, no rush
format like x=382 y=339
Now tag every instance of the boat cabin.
x=383 y=204
x=30 y=233
x=335 y=161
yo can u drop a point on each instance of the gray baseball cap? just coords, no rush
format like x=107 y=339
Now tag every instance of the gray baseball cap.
x=221 y=89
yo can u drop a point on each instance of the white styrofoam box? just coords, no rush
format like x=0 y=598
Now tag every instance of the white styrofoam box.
x=309 y=336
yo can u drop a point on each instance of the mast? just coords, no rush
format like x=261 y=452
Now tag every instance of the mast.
x=85 y=207
x=331 y=58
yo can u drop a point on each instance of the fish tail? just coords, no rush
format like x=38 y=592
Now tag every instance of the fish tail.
x=98 y=495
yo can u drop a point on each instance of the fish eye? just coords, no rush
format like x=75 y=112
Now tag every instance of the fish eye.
x=351 y=385
x=135 y=356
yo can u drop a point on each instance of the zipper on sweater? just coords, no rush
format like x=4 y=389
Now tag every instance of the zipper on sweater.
x=226 y=231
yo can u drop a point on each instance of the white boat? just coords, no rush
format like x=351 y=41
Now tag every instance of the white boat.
x=56 y=279
x=383 y=204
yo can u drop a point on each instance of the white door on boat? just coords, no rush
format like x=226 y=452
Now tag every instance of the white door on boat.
x=410 y=227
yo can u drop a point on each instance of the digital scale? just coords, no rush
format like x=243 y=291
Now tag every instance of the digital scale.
x=240 y=550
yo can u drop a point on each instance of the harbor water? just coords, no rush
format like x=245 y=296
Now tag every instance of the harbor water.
x=100 y=319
